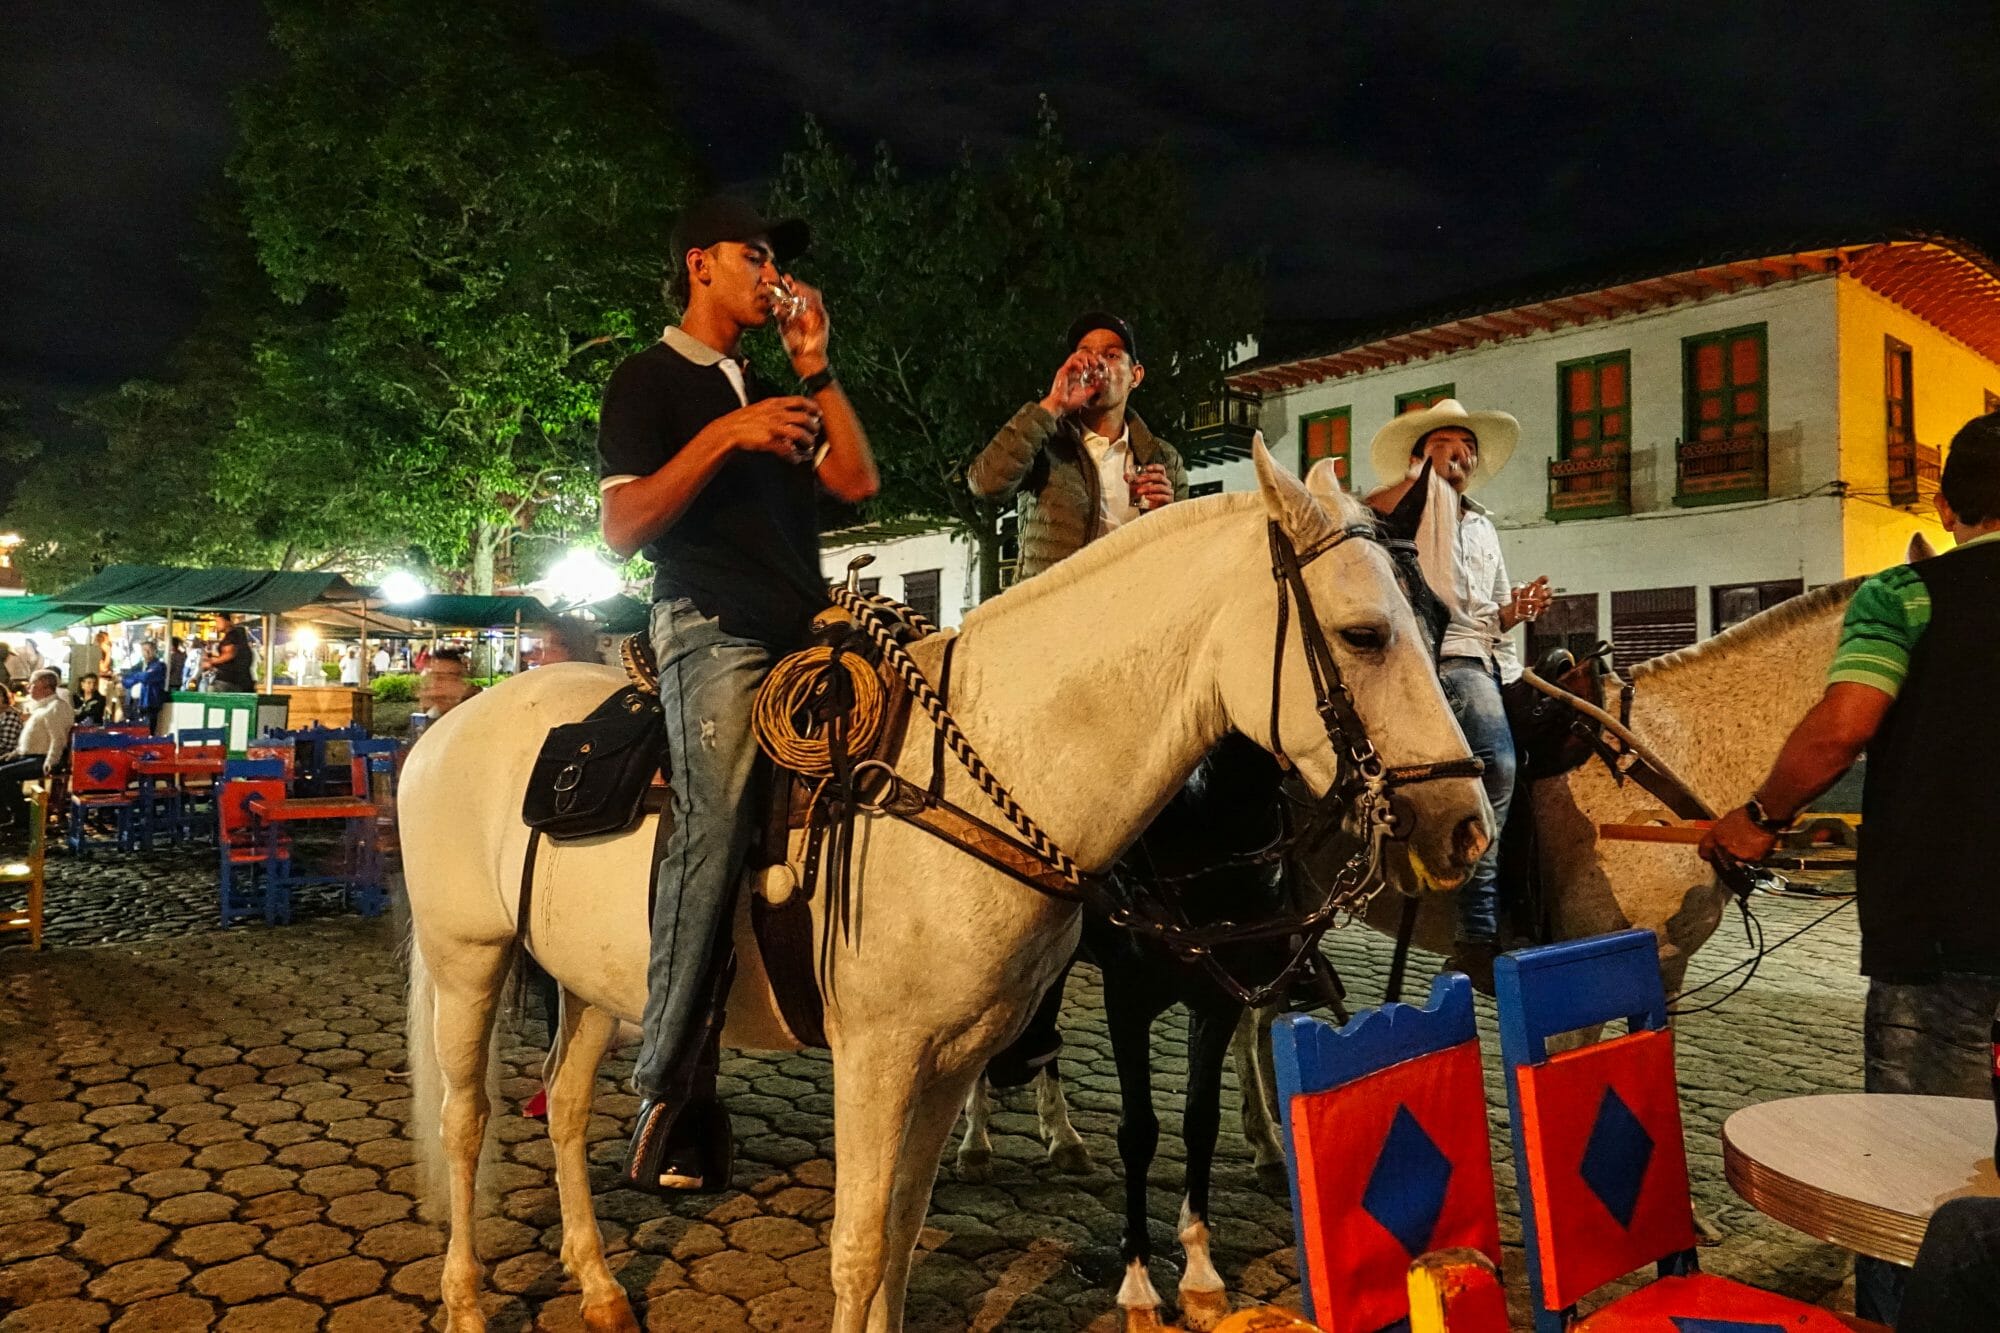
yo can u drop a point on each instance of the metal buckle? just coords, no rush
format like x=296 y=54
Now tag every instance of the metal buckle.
x=571 y=775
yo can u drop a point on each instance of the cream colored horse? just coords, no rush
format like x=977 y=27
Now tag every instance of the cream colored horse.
x=1717 y=713
x=1091 y=691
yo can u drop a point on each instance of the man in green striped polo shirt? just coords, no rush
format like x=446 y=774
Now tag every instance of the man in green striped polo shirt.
x=1915 y=682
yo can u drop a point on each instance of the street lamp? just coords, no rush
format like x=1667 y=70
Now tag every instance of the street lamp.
x=400 y=585
x=581 y=577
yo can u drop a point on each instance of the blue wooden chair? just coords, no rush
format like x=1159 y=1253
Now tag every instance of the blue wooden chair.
x=101 y=791
x=198 y=793
x=1598 y=1147
x=1388 y=1150
x=252 y=862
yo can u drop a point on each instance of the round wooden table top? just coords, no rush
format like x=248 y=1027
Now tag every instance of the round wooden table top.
x=1863 y=1171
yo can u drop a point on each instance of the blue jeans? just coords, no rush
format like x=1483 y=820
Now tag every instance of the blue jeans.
x=708 y=680
x=1929 y=1038
x=1473 y=689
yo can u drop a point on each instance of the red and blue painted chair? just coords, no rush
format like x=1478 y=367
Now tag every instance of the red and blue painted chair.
x=157 y=811
x=253 y=858
x=1601 y=1162
x=101 y=794
x=1389 y=1154
x=198 y=793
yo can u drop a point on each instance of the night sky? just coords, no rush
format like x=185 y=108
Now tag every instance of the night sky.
x=1380 y=158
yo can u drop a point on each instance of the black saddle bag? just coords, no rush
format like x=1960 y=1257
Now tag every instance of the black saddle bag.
x=591 y=776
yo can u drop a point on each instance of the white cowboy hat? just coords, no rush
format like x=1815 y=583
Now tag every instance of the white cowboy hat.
x=1497 y=433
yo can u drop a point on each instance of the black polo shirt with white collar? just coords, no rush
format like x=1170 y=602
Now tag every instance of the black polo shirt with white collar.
x=746 y=551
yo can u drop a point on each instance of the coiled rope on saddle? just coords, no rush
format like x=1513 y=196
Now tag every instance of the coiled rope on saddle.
x=796 y=706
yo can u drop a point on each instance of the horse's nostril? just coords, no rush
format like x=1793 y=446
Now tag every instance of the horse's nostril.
x=1469 y=839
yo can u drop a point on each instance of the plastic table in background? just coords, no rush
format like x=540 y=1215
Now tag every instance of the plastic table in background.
x=362 y=869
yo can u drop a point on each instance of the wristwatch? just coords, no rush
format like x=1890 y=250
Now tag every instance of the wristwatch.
x=1762 y=819
x=812 y=384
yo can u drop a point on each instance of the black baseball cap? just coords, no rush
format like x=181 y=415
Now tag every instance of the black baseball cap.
x=724 y=217
x=1104 y=319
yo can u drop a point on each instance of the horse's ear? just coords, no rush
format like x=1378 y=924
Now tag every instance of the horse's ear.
x=1287 y=500
x=1346 y=508
x=1920 y=548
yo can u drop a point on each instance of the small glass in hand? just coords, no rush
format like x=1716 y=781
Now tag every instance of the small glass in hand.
x=786 y=304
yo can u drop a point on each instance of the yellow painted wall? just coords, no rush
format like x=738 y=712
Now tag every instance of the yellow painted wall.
x=1950 y=381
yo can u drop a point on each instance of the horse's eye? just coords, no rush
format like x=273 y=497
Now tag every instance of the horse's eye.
x=1364 y=638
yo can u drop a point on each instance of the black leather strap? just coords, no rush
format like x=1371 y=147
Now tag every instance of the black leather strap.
x=521 y=916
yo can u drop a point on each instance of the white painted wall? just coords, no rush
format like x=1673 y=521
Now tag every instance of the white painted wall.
x=1788 y=536
x=956 y=558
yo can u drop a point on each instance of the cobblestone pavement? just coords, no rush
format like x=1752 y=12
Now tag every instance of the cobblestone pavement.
x=200 y=1131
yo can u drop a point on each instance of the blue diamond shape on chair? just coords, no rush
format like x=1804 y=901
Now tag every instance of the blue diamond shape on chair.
x=1406 y=1189
x=1685 y=1325
x=1615 y=1159
x=100 y=769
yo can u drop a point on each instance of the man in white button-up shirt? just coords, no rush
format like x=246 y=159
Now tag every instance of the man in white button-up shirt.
x=1460 y=552
x=43 y=741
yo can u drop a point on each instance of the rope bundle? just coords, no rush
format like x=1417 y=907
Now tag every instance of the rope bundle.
x=792 y=706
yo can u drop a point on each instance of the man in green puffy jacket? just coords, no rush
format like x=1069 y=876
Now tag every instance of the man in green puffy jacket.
x=1081 y=461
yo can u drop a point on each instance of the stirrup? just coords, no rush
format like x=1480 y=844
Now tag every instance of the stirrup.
x=654 y=1140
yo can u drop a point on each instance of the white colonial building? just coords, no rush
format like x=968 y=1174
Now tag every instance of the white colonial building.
x=1698 y=441
x=1696 y=444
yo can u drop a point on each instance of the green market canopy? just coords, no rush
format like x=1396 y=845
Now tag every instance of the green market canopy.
x=164 y=587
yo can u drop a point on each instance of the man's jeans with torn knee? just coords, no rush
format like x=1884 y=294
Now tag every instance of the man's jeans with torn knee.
x=708 y=682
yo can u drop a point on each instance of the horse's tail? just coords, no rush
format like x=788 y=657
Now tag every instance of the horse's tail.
x=427 y=1095
x=426 y=1089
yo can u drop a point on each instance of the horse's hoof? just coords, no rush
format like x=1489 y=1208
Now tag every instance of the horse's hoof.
x=975 y=1168
x=1143 y=1319
x=1072 y=1159
x=1201 y=1311
x=613 y=1316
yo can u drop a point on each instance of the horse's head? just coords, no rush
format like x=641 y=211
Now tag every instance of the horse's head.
x=1383 y=659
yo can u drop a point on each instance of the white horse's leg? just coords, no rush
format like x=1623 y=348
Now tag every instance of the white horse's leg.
x=875 y=1090
x=1251 y=1049
x=467 y=979
x=586 y=1033
x=975 y=1151
x=1066 y=1151
x=1204 y=1296
x=916 y=1175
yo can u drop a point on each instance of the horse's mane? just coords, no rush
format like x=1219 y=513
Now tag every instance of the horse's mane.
x=1763 y=625
x=1111 y=546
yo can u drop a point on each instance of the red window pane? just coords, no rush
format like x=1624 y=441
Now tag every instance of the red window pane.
x=1340 y=468
x=1895 y=375
x=1613 y=425
x=1744 y=356
x=1711 y=408
x=1708 y=366
x=1580 y=387
x=1748 y=402
x=1579 y=428
x=1337 y=429
x=1611 y=385
x=1316 y=440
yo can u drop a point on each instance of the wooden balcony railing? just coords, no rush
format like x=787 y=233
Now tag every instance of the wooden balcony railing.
x=1723 y=471
x=1221 y=428
x=1914 y=471
x=1591 y=487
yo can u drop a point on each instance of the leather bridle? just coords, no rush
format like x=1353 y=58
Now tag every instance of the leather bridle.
x=1359 y=803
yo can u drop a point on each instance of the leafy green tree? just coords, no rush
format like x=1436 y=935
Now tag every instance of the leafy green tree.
x=191 y=467
x=950 y=294
x=484 y=225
